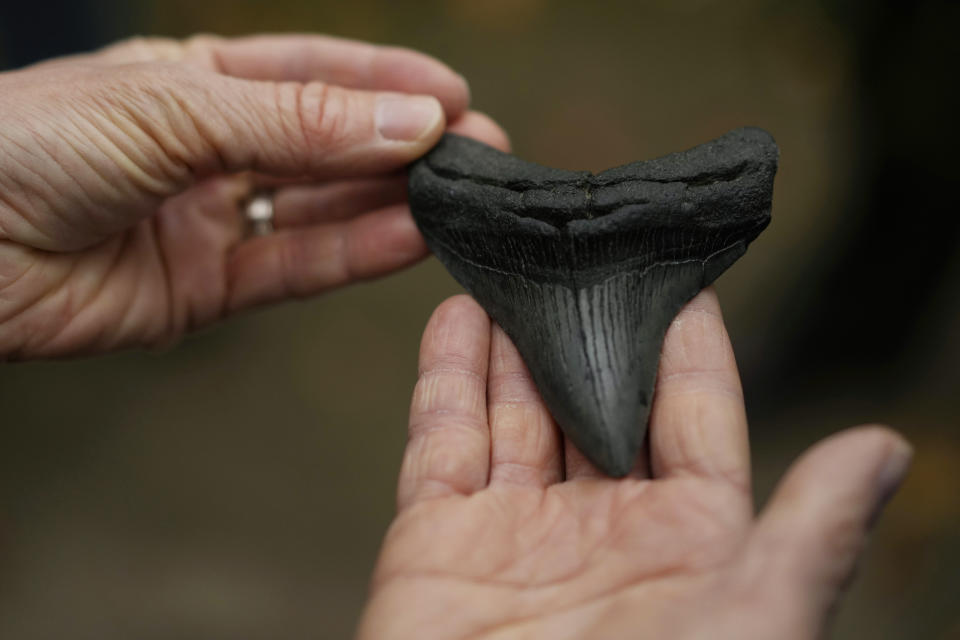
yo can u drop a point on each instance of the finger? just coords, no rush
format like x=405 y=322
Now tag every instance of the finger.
x=804 y=548
x=698 y=424
x=295 y=263
x=182 y=125
x=298 y=204
x=319 y=130
x=194 y=231
x=472 y=124
x=448 y=449
x=346 y=63
x=525 y=442
x=305 y=58
x=480 y=126
x=301 y=205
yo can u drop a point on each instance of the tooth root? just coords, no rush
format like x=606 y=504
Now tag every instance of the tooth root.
x=587 y=279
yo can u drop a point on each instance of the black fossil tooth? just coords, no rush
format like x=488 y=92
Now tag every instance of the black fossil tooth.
x=585 y=272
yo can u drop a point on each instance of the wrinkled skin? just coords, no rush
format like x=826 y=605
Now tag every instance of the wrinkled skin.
x=505 y=531
x=122 y=174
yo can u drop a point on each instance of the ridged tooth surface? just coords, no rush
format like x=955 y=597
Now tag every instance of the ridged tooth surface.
x=585 y=272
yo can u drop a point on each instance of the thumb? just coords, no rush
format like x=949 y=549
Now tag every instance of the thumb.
x=809 y=537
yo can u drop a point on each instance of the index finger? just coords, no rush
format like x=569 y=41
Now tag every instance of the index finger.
x=346 y=63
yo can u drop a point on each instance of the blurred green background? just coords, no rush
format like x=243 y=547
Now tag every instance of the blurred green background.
x=238 y=485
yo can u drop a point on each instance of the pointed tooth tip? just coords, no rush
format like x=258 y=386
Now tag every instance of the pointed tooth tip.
x=616 y=453
x=622 y=456
x=619 y=468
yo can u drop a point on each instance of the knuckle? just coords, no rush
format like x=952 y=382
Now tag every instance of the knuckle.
x=455 y=427
x=448 y=460
x=288 y=113
x=202 y=40
x=171 y=105
x=454 y=393
x=138 y=88
x=144 y=82
x=308 y=265
x=146 y=49
x=452 y=362
x=324 y=114
x=203 y=47
x=294 y=257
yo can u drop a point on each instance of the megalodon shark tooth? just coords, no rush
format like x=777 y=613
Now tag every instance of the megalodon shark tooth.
x=586 y=271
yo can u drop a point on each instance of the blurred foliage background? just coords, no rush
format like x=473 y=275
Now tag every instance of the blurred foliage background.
x=238 y=485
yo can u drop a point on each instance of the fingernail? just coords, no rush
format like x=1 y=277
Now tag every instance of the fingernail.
x=406 y=118
x=891 y=476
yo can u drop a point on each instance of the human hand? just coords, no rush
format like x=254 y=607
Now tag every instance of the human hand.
x=505 y=531
x=122 y=174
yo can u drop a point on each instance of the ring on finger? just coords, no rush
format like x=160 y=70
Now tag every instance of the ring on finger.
x=259 y=213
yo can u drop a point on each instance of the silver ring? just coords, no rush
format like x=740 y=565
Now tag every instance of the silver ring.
x=259 y=213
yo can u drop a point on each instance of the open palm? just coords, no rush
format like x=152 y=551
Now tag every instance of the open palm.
x=506 y=531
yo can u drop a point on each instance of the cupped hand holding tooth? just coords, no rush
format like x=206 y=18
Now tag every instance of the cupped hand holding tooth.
x=505 y=531
x=121 y=178
x=122 y=174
